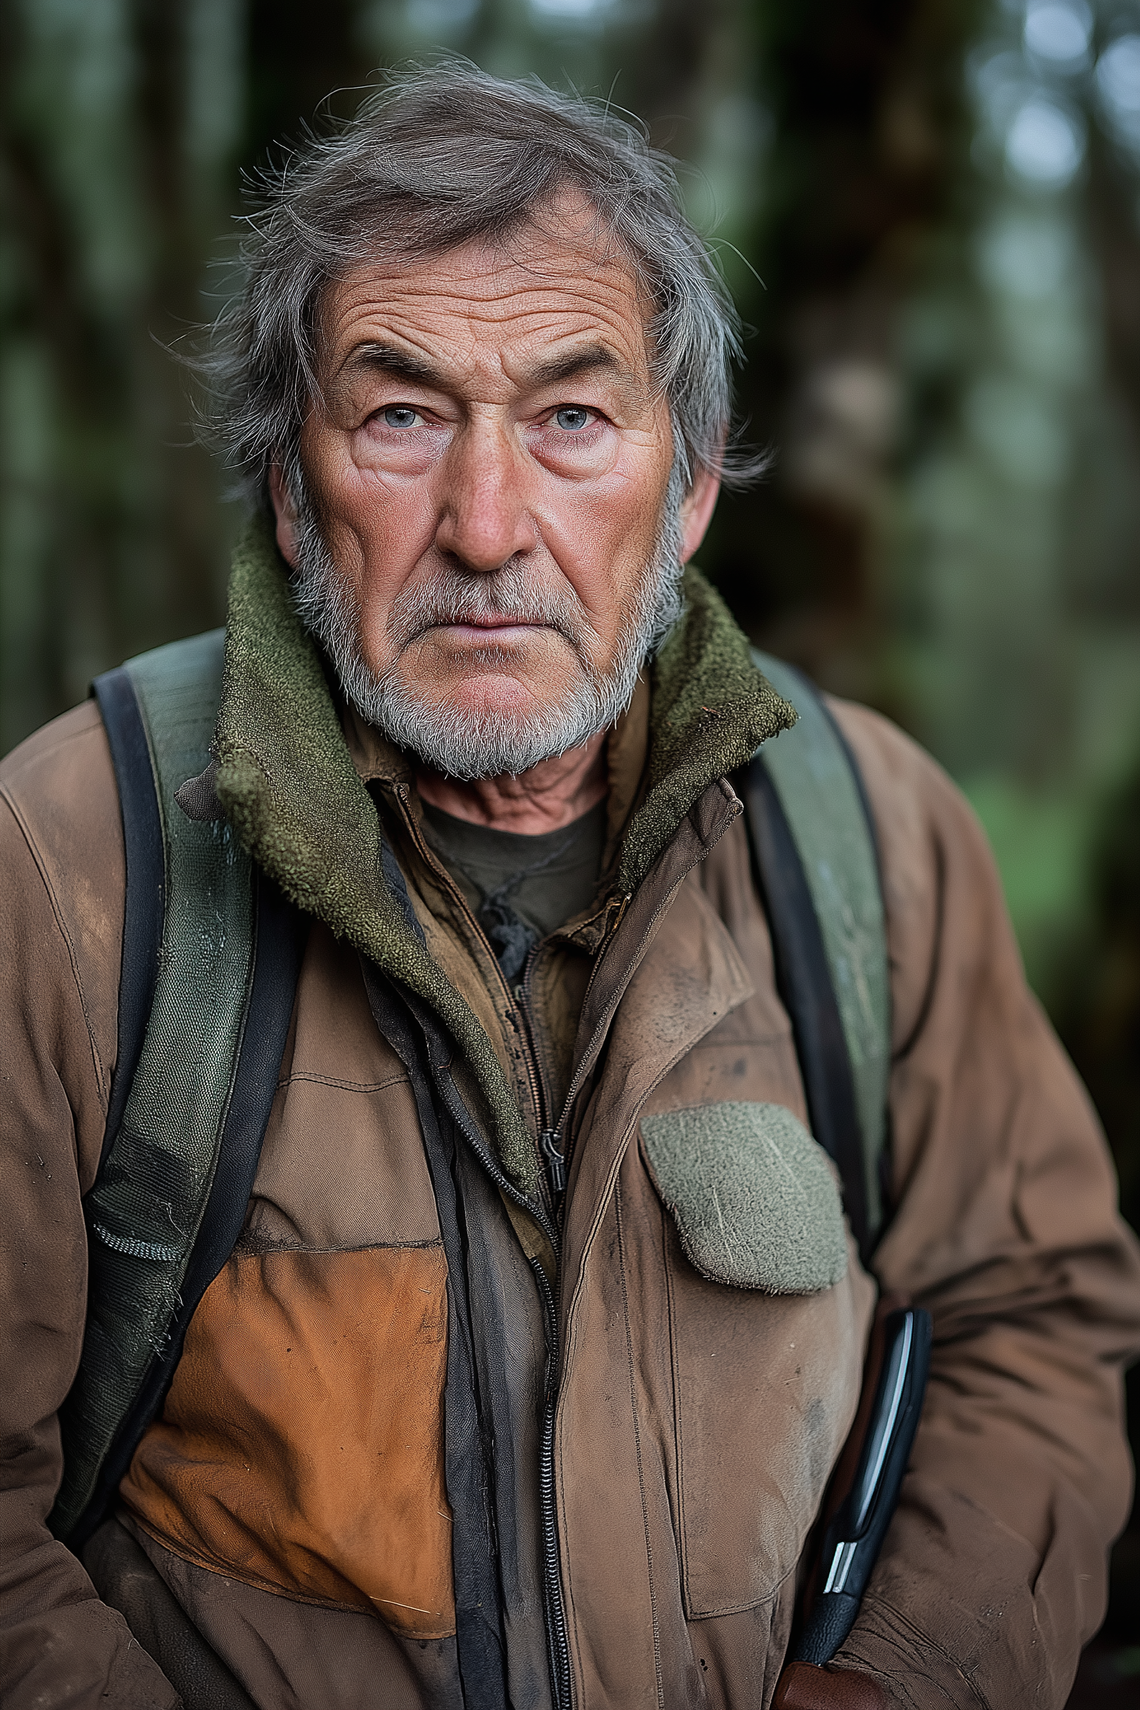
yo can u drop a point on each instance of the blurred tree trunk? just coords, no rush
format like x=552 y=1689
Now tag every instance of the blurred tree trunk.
x=867 y=139
x=303 y=59
x=119 y=121
x=1113 y=224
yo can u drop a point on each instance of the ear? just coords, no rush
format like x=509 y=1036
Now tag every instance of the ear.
x=696 y=512
x=286 y=513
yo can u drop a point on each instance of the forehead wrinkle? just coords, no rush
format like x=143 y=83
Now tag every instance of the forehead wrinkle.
x=478 y=289
x=489 y=287
x=587 y=350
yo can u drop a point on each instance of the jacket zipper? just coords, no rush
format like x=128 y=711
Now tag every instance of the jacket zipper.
x=550 y=1151
x=551 y=1140
x=555 y=1162
x=557 y=1634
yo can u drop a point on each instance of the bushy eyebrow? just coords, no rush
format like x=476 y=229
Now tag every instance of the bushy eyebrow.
x=391 y=359
x=407 y=365
x=586 y=359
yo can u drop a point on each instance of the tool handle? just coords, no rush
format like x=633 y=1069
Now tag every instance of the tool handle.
x=853 y=1538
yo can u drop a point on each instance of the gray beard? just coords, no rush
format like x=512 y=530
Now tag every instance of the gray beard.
x=465 y=744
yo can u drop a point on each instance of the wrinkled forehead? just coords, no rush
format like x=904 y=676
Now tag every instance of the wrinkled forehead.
x=557 y=275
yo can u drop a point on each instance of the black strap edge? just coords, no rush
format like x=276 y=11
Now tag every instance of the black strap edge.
x=144 y=911
x=803 y=980
x=277 y=950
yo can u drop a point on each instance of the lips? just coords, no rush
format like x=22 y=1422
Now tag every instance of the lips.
x=500 y=610
x=498 y=631
x=497 y=620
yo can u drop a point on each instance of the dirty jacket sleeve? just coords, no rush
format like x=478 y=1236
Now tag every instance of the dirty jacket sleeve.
x=994 y=1571
x=60 y=933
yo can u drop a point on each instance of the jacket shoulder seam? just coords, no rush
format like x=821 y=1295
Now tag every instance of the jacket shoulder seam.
x=65 y=935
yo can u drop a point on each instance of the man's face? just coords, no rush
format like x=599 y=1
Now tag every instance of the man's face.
x=489 y=468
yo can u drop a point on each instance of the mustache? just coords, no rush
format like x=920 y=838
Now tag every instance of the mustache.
x=509 y=594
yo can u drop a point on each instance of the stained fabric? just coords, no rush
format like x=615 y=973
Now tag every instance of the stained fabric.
x=127 y=1581
x=467 y=1443
x=303 y=1656
x=301 y=1446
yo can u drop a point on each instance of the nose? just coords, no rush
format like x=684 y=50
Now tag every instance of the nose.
x=484 y=518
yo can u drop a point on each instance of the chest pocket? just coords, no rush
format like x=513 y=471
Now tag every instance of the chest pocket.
x=752 y=1194
x=767 y=1323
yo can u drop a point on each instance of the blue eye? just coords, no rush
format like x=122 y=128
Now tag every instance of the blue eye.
x=400 y=416
x=572 y=419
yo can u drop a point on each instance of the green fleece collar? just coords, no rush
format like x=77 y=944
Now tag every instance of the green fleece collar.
x=287 y=783
x=710 y=710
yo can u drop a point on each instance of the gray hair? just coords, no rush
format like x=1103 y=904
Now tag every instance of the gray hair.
x=439 y=157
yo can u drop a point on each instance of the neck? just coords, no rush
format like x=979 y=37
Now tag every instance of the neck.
x=546 y=798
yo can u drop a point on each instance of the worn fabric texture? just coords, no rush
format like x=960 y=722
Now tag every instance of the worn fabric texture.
x=753 y=1194
x=696 y=1421
x=126 y=1580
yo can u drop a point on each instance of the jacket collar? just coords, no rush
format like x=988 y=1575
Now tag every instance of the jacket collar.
x=288 y=781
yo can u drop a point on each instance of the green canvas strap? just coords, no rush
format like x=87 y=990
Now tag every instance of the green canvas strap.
x=819 y=789
x=145 y=1209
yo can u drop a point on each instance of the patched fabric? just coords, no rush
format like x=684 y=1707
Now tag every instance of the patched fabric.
x=753 y=1196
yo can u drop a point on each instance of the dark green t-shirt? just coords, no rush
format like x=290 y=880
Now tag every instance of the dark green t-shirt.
x=520 y=888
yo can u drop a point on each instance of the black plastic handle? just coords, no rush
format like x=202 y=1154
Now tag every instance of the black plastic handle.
x=852 y=1541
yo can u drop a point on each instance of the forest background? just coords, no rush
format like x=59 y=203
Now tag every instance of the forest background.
x=929 y=212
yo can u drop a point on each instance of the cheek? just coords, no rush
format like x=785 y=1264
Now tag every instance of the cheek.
x=603 y=542
x=360 y=498
x=377 y=530
x=381 y=509
x=376 y=526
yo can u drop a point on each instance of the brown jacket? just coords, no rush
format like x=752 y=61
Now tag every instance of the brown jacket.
x=299 y=1492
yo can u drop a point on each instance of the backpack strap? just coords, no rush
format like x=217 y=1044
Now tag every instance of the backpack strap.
x=817 y=868
x=209 y=967
x=145 y=900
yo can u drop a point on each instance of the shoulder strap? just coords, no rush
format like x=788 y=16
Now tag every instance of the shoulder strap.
x=205 y=947
x=145 y=900
x=817 y=866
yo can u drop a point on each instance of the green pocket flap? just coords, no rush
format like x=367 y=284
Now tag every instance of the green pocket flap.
x=752 y=1194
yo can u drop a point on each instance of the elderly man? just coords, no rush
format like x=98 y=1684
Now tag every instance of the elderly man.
x=438 y=1402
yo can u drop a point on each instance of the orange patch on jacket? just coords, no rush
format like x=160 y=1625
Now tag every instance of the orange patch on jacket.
x=301 y=1446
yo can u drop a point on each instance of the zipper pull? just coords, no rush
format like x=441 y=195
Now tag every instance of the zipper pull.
x=555 y=1164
